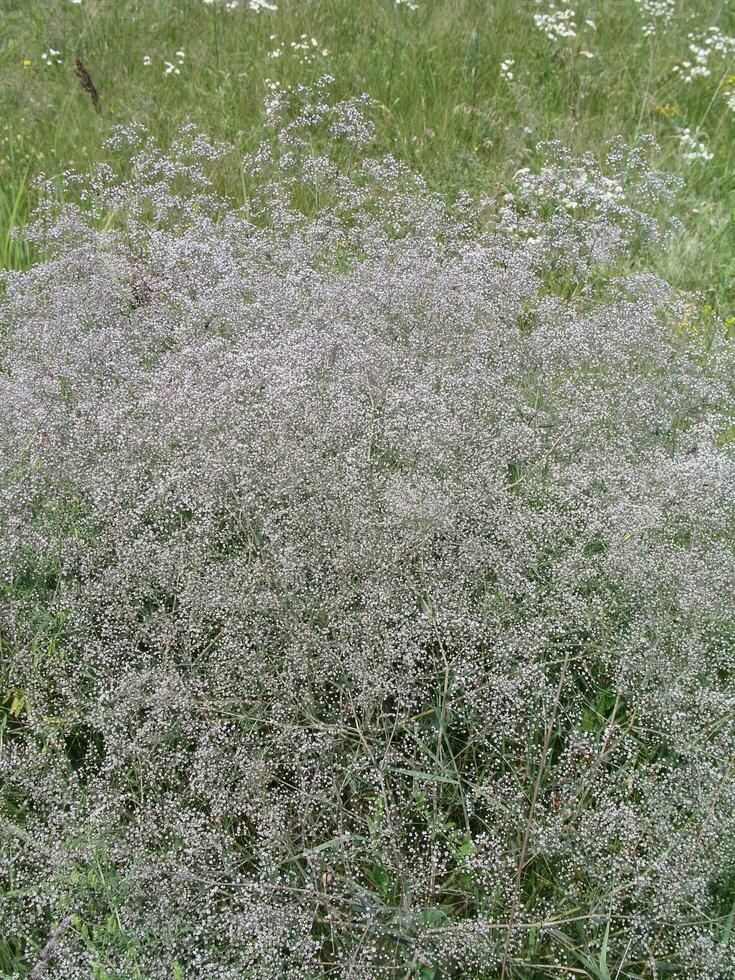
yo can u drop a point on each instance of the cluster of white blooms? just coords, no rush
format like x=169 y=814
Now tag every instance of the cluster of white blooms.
x=171 y=67
x=657 y=12
x=558 y=23
x=506 y=69
x=51 y=57
x=255 y=5
x=366 y=572
x=408 y=4
x=306 y=49
x=706 y=51
x=694 y=149
x=578 y=212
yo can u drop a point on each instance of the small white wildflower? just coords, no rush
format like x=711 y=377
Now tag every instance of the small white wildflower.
x=694 y=149
x=506 y=72
x=51 y=57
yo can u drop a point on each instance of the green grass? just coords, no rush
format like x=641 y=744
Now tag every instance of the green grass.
x=434 y=72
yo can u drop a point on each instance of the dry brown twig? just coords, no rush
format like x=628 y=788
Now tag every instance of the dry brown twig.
x=87 y=84
x=49 y=949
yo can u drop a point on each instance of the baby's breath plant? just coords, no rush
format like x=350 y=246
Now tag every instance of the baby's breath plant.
x=367 y=573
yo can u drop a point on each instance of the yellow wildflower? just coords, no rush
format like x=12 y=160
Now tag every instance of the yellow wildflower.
x=25 y=62
x=667 y=110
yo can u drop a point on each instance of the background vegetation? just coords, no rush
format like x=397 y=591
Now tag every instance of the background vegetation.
x=447 y=106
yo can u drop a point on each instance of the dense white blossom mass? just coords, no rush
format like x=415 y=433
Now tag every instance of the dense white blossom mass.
x=367 y=571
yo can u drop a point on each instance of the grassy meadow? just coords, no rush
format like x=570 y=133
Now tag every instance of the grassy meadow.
x=366 y=545
x=445 y=105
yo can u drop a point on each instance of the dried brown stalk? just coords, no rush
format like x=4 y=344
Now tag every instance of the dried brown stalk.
x=87 y=84
x=49 y=949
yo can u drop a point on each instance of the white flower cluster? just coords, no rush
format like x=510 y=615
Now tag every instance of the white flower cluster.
x=706 y=50
x=506 y=69
x=558 y=23
x=694 y=149
x=172 y=67
x=306 y=49
x=51 y=57
x=582 y=212
x=366 y=572
x=657 y=12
